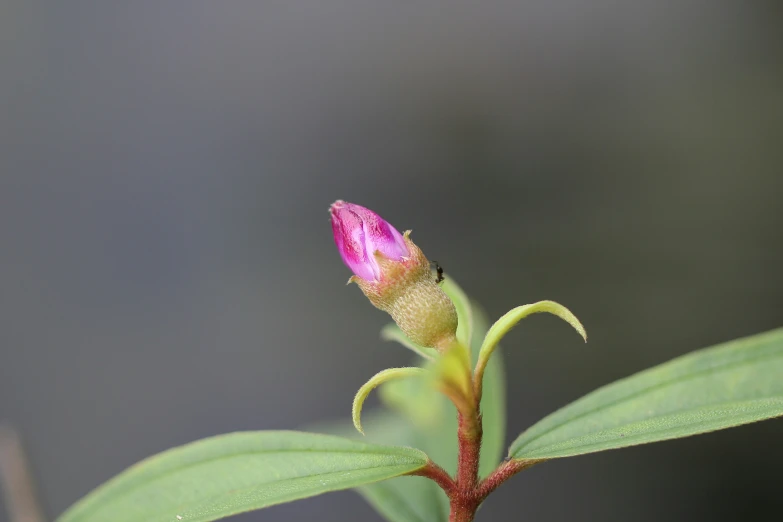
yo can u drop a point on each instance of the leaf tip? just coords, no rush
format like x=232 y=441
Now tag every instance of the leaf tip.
x=356 y=414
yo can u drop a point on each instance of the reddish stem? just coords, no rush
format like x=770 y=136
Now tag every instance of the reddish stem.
x=440 y=476
x=465 y=501
x=469 y=437
x=465 y=492
x=505 y=471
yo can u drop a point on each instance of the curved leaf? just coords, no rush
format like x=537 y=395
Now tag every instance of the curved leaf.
x=493 y=401
x=221 y=476
x=510 y=320
x=727 y=385
x=375 y=381
x=416 y=399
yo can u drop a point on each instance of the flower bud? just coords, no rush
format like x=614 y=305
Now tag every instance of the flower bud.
x=394 y=274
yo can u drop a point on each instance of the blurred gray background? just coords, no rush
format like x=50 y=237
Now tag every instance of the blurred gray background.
x=167 y=270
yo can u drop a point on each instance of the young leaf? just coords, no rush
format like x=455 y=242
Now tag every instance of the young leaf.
x=376 y=380
x=727 y=385
x=493 y=401
x=221 y=476
x=464 y=310
x=511 y=318
x=451 y=372
x=416 y=399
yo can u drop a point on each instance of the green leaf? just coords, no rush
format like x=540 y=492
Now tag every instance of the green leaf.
x=404 y=499
x=408 y=499
x=511 y=318
x=727 y=385
x=417 y=399
x=451 y=372
x=375 y=381
x=221 y=476
x=493 y=400
x=464 y=310
x=436 y=431
x=401 y=499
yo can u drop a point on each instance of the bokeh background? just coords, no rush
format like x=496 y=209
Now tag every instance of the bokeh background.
x=167 y=270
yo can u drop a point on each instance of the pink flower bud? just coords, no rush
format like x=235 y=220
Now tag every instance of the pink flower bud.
x=394 y=274
x=359 y=233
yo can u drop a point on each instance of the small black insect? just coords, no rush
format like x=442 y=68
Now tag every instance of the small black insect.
x=439 y=270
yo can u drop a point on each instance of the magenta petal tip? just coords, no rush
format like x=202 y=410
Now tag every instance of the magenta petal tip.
x=359 y=233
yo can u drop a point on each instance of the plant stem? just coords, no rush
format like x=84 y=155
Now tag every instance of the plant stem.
x=466 y=501
x=469 y=436
x=440 y=476
x=462 y=512
x=465 y=491
x=505 y=471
